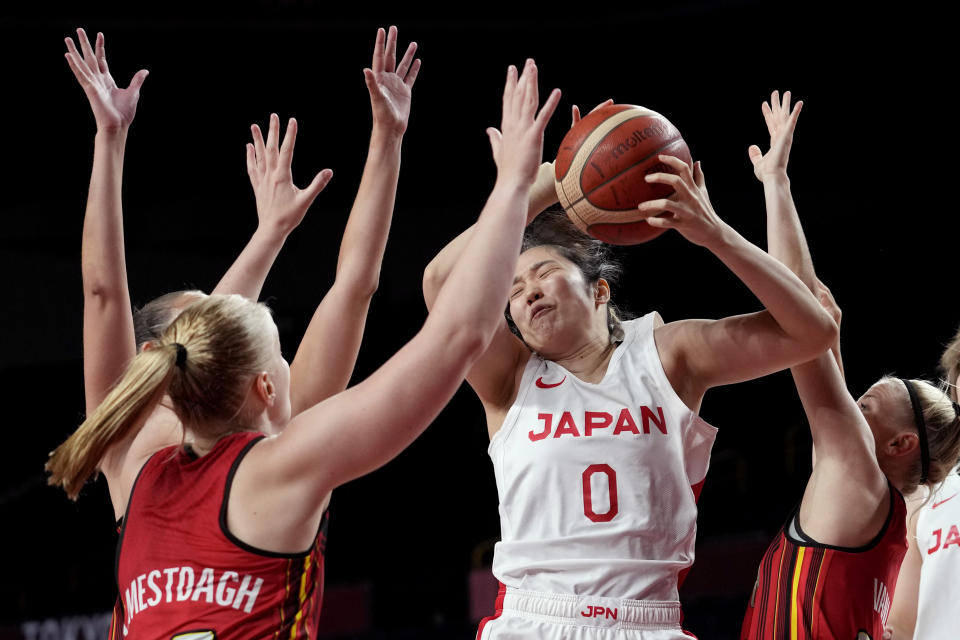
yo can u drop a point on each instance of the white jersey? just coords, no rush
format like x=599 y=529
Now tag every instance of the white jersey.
x=598 y=482
x=938 y=539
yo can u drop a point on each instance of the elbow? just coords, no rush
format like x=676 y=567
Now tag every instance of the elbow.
x=822 y=334
x=100 y=293
x=466 y=342
x=432 y=281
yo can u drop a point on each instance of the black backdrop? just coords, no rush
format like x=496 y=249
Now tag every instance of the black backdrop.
x=871 y=172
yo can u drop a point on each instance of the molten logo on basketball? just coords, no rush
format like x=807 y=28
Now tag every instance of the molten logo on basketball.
x=636 y=137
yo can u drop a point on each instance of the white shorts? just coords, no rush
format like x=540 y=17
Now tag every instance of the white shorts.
x=530 y=615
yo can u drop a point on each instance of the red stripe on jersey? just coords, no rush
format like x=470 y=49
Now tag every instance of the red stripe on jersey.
x=497 y=610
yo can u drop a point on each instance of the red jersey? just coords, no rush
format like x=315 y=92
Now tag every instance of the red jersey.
x=182 y=574
x=811 y=591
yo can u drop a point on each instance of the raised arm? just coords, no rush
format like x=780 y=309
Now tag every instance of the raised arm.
x=108 y=341
x=281 y=207
x=328 y=352
x=846 y=486
x=492 y=375
x=362 y=428
x=699 y=354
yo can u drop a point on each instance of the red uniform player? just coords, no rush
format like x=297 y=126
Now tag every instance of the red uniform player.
x=178 y=510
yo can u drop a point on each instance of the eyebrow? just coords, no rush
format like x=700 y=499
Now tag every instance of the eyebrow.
x=534 y=267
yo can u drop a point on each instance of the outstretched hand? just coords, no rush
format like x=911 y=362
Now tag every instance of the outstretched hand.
x=391 y=84
x=688 y=210
x=113 y=107
x=518 y=148
x=281 y=206
x=781 y=122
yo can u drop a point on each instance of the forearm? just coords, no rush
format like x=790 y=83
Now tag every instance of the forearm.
x=108 y=339
x=785 y=239
x=249 y=271
x=787 y=299
x=542 y=194
x=475 y=292
x=103 y=265
x=365 y=236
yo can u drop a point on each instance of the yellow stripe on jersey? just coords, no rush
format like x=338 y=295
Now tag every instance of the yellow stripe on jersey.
x=303 y=597
x=797 y=570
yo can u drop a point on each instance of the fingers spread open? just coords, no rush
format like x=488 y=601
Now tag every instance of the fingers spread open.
x=390 y=54
x=548 y=108
x=768 y=119
x=317 y=185
x=137 y=80
x=273 y=135
x=377 y=63
x=412 y=74
x=101 y=55
x=289 y=140
x=531 y=92
x=258 y=146
x=496 y=138
x=775 y=105
x=407 y=60
x=79 y=69
x=509 y=89
x=88 y=55
x=251 y=161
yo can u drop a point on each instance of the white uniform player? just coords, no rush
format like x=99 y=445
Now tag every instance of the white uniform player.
x=938 y=540
x=598 y=486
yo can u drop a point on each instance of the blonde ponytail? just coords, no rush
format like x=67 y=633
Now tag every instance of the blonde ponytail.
x=205 y=361
x=133 y=399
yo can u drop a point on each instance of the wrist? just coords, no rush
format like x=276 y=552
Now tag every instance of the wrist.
x=386 y=136
x=776 y=178
x=724 y=239
x=512 y=185
x=271 y=234
x=112 y=135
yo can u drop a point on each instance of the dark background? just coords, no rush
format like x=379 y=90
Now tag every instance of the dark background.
x=871 y=172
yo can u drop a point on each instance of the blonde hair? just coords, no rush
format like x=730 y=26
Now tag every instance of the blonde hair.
x=943 y=434
x=950 y=365
x=205 y=361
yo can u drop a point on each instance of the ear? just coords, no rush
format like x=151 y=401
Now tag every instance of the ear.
x=902 y=444
x=264 y=389
x=601 y=292
x=146 y=346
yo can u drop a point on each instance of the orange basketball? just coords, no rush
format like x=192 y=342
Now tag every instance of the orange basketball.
x=601 y=165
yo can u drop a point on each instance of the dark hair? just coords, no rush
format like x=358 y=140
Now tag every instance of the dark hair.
x=153 y=318
x=593 y=258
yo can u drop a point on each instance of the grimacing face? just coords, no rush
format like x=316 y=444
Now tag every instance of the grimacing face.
x=550 y=301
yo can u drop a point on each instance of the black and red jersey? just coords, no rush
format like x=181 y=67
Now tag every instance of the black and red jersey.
x=182 y=574
x=811 y=591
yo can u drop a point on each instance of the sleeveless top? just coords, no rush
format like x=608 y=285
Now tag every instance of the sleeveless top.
x=938 y=540
x=811 y=591
x=598 y=483
x=182 y=574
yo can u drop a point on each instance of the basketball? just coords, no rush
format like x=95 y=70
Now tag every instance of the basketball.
x=601 y=165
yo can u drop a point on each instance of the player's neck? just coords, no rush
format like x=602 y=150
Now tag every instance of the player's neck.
x=590 y=360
